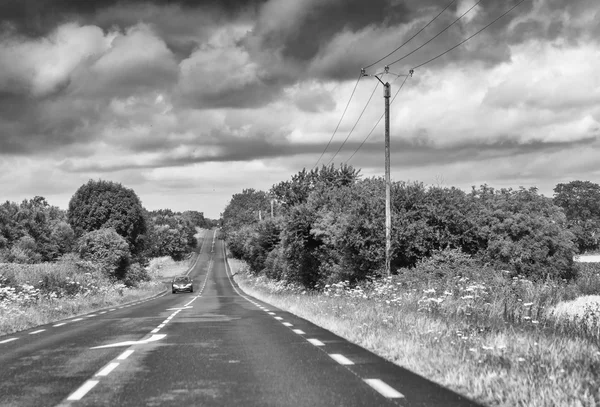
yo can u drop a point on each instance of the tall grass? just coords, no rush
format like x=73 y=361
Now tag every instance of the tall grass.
x=37 y=294
x=499 y=339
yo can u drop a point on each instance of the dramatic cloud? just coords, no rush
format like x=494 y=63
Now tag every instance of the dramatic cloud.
x=191 y=101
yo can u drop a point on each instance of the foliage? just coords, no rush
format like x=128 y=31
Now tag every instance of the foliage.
x=33 y=231
x=105 y=204
x=244 y=208
x=172 y=233
x=297 y=190
x=580 y=201
x=107 y=248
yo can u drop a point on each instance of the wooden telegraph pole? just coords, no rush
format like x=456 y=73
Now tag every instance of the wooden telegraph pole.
x=388 y=194
x=388 y=183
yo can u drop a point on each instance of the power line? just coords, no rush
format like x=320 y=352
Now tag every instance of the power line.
x=374 y=127
x=355 y=124
x=339 y=122
x=410 y=39
x=471 y=36
x=437 y=35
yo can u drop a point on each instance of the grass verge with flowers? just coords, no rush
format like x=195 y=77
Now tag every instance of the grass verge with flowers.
x=499 y=339
x=37 y=294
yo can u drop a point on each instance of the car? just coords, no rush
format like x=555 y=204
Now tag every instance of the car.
x=182 y=284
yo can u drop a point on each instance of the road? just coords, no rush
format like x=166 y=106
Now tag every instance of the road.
x=214 y=347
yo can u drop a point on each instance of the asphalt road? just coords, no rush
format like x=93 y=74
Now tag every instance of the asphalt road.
x=214 y=347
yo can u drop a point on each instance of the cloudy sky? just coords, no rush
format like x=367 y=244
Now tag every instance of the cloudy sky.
x=190 y=101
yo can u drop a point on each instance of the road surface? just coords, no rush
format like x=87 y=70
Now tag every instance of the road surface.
x=214 y=347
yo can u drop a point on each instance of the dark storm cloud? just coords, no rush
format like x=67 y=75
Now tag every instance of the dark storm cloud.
x=38 y=17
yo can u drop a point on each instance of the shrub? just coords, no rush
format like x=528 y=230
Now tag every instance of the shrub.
x=107 y=248
x=135 y=275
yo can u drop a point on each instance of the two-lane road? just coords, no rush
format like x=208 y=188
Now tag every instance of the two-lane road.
x=214 y=347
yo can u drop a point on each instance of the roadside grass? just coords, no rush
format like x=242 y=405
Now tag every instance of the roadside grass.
x=499 y=339
x=37 y=294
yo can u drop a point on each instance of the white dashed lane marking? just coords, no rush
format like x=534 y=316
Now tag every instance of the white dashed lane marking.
x=82 y=391
x=107 y=369
x=9 y=340
x=287 y=324
x=315 y=342
x=61 y=324
x=384 y=389
x=341 y=359
x=125 y=354
x=76 y=319
x=278 y=318
x=36 y=332
x=271 y=313
x=298 y=331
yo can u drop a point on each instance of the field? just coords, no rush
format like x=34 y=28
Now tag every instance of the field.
x=32 y=295
x=502 y=341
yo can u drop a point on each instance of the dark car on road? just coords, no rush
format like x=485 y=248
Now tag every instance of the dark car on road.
x=182 y=284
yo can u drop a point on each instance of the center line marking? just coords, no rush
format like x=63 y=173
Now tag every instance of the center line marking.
x=315 y=342
x=384 y=389
x=82 y=391
x=125 y=354
x=36 y=332
x=341 y=359
x=107 y=369
x=9 y=340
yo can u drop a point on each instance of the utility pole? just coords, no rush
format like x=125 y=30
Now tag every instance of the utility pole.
x=388 y=187
x=388 y=193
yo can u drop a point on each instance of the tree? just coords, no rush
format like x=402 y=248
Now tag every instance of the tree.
x=580 y=201
x=108 y=249
x=104 y=204
x=243 y=209
x=297 y=190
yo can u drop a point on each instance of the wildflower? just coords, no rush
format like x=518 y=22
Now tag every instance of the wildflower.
x=535 y=322
x=528 y=304
x=466 y=297
x=520 y=359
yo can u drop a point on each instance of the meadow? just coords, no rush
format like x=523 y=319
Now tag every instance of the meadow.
x=499 y=339
x=37 y=294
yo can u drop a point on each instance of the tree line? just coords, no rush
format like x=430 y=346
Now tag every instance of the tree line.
x=329 y=226
x=105 y=224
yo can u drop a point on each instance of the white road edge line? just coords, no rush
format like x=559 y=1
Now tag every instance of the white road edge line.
x=36 y=332
x=107 y=369
x=315 y=342
x=82 y=391
x=61 y=324
x=125 y=354
x=341 y=359
x=76 y=319
x=9 y=340
x=299 y=331
x=384 y=389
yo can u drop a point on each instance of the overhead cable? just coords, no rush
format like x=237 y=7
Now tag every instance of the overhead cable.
x=437 y=35
x=353 y=127
x=418 y=32
x=469 y=37
x=339 y=122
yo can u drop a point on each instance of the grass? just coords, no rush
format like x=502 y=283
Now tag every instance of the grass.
x=32 y=295
x=500 y=340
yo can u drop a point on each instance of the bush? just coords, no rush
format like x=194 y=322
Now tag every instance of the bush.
x=107 y=248
x=135 y=275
